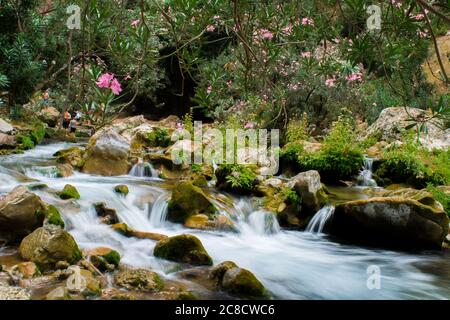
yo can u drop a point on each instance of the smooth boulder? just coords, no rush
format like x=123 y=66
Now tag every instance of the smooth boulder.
x=139 y=279
x=391 y=221
x=48 y=245
x=183 y=248
x=309 y=187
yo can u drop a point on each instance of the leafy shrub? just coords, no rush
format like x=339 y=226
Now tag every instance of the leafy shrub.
x=415 y=165
x=159 y=138
x=235 y=177
x=292 y=198
x=25 y=142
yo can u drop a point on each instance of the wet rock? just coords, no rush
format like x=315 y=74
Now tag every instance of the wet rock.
x=37 y=186
x=107 y=154
x=203 y=222
x=64 y=170
x=126 y=231
x=69 y=192
x=60 y=293
x=62 y=265
x=139 y=279
x=93 y=285
x=19 y=213
x=391 y=221
x=108 y=215
x=183 y=248
x=115 y=294
x=122 y=189
x=7 y=141
x=52 y=216
x=188 y=200
x=422 y=196
x=73 y=156
x=50 y=116
x=104 y=259
x=309 y=187
x=238 y=281
x=48 y=245
x=25 y=270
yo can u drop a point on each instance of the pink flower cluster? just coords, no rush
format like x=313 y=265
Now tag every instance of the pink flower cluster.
x=107 y=80
x=331 y=82
x=355 y=76
x=135 y=23
x=419 y=17
x=307 y=21
x=265 y=34
x=210 y=28
x=396 y=3
x=306 y=54
x=288 y=29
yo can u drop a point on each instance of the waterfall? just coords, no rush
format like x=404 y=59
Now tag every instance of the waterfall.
x=365 y=176
x=143 y=169
x=158 y=212
x=263 y=223
x=320 y=219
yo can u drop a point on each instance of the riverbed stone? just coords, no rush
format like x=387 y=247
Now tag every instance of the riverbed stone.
x=107 y=215
x=48 y=245
x=69 y=192
x=183 y=248
x=104 y=259
x=107 y=154
x=73 y=156
x=126 y=231
x=391 y=221
x=139 y=279
x=19 y=213
x=59 y=293
x=5 y=127
x=26 y=270
x=188 y=200
x=309 y=187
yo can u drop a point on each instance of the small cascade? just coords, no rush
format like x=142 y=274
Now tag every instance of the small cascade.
x=158 y=212
x=365 y=176
x=143 y=169
x=263 y=223
x=320 y=219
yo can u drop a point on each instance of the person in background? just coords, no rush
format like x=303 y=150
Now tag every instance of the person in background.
x=78 y=115
x=45 y=98
x=66 y=119
x=73 y=125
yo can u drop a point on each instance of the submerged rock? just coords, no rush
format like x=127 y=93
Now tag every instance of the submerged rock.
x=184 y=248
x=107 y=215
x=188 y=200
x=48 y=245
x=139 y=279
x=107 y=154
x=391 y=221
x=69 y=192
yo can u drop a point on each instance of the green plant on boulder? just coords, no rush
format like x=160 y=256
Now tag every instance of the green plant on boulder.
x=24 y=142
x=159 y=138
x=235 y=177
x=184 y=248
x=69 y=192
x=52 y=216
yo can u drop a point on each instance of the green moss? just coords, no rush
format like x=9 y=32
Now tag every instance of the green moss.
x=122 y=228
x=38 y=133
x=52 y=216
x=112 y=257
x=37 y=186
x=159 y=138
x=122 y=189
x=183 y=248
x=25 y=142
x=243 y=283
x=69 y=192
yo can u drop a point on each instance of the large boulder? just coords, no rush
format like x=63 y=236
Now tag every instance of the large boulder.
x=50 y=116
x=107 y=154
x=393 y=122
x=73 y=156
x=391 y=221
x=238 y=281
x=139 y=279
x=188 y=200
x=19 y=213
x=48 y=245
x=5 y=127
x=184 y=248
x=7 y=140
x=309 y=187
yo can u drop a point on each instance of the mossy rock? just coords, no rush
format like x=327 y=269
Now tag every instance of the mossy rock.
x=73 y=156
x=48 y=245
x=52 y=216
x=139 y=279
x=188 y=200
x=217 y=272
x=69 y=192
x=123 y=229
x=122 y=189
x=183 y=248
x=104 y=259
x=243 y=283
x=37 y=186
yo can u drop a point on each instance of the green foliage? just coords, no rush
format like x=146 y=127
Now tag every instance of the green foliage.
x=196 y=168
x=236 y=177
x=291 y=197
x=440 y=196
x=419 y=167
x=25 y=142
x=159 y=138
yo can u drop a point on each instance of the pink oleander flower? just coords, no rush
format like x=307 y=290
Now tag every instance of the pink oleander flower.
x=307 y=21
x=356 y=76
x=330 y=83
x=135 y=23
x=288 y=29
x=128 y=77
x=104 y=80
x=209 y=89
x=306 y=54
x=419 y=17
x=116 y=87
x=249 y=125
x=265 y=34
x=210 y=28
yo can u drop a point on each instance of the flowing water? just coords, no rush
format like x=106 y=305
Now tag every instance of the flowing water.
x=291 y=264
x=365 y=176
x=320 y=219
